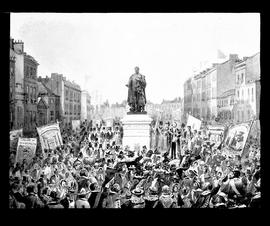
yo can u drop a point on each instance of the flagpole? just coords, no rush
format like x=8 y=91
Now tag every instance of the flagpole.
x=251 y=124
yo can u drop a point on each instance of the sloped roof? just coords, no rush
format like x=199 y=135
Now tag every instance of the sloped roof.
x=41 y=101
x=228 y=93
x=41 y=88
x=45 y=90
x=31 y=58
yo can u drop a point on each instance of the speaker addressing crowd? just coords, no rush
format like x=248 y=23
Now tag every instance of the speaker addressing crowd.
x=92 y=169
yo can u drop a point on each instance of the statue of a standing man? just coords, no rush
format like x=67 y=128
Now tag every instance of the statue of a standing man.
x=136 y=92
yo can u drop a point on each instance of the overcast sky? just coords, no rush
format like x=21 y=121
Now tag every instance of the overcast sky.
x=100 y=51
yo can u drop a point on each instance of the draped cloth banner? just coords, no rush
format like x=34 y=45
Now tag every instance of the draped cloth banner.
x=75 y=124
x=13 y=138
x=26 y=149
x=50 y=136
x=194 y=123
x=216 y=134
x=236 y=138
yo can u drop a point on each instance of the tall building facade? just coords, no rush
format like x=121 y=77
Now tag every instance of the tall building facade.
x=48 y=106
x=225 y=106
x=17 y=54
x=85 y=105
x=11 y=92
x=31 y=93
x=167 y=110
x=70 y=96
x=72 y=102
x=211 y=94
x=248 y=89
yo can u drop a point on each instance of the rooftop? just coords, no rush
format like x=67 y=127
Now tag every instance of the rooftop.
x=30 y=58
x=72 y=84
x=228 y=93
x=43 y=89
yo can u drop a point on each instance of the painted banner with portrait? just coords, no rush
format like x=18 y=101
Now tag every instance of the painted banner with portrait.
x=236 y=138
x=194 y=123
x=50 y=136
x=13 y=138
x=216 y=133
x=75 y=124
x=26 y=149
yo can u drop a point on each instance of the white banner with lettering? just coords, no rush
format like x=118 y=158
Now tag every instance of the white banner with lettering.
x=26 y=149
x=50 y=136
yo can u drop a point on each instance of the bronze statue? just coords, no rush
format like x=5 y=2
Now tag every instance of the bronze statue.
x=136 y=92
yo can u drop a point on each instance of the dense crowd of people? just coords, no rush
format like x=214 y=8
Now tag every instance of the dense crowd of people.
x=182 y=169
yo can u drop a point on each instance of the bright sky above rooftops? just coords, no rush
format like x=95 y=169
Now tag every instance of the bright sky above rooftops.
x=100 y=51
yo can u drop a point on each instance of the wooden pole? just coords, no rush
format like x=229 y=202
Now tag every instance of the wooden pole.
x=251 y=124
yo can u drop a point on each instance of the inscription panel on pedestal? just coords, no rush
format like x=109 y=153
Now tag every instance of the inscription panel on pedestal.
x=136 y=127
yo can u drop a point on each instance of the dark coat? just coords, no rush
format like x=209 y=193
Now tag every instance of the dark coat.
x=203 y=200
x=33 y=201
x=18 y=196
x=151 y=201
x=54 y=205
x=109 y=201
x=95 y=197
x=127 y=204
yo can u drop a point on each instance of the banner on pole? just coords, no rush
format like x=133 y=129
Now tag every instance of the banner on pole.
x=194 y=123
x=216 y=133
x=75 y=124
x=13 y=138
x=26 y=149
x=50 y=136
x=236 y=138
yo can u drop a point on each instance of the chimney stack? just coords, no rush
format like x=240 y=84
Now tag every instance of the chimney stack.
x=233 y=57
x=19 y=46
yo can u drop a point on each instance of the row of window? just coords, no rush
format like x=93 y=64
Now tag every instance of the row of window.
x=31 y=92
x=52 y=117
x=240 y=116
x=225 y=115
x=76 y=109
x=204 y=96
x=250 y=94
x=72 y=96
x=226 y=102
x=30 y=117
x=240 y=78
x=30 y=72
x=202 y=83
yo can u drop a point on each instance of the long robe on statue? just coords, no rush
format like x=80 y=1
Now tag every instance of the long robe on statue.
x=136 y=90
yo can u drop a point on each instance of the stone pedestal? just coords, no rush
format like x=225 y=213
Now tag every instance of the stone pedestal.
x=136 y=128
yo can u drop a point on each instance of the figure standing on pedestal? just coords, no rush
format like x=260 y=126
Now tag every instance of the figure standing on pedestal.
x=136 y=92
